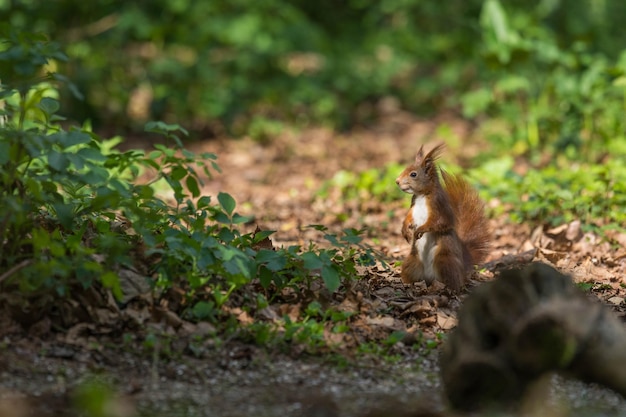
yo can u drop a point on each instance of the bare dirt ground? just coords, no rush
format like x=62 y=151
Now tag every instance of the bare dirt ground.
x=41 y=367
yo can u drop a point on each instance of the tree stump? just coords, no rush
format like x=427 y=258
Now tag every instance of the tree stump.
x=522 y=325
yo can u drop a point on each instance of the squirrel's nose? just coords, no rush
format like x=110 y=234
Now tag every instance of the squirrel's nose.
x=398 y=181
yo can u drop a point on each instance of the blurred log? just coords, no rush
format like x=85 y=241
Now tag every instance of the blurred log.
x=522 y=325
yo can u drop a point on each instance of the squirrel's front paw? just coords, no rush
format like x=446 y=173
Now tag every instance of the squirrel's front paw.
x=417 y=235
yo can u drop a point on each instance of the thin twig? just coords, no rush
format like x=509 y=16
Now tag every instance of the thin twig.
x=15 y=268
x=94 y=28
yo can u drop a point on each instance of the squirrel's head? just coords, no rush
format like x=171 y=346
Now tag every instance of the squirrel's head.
x=418 y=178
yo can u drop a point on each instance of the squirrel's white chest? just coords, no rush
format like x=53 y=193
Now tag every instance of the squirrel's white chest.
x=426 y=245
x=419 y=211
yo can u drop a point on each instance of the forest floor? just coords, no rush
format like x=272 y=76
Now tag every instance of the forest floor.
x=40 y=367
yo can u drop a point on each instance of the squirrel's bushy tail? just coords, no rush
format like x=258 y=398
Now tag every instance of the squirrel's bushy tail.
x=471 y=224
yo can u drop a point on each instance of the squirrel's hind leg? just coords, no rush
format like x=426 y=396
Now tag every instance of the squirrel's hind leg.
x=449 y=266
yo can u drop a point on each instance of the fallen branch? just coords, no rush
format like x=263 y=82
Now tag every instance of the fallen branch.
x=510 y=260
x=524 y=324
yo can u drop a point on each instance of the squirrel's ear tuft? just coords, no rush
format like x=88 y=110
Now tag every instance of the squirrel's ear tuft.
x=430 y=158
x=435 y=153
x=420 y=155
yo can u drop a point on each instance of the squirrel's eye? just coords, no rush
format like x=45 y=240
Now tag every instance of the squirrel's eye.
x=413 y=174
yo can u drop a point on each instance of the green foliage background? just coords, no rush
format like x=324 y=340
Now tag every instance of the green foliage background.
x=221 y=63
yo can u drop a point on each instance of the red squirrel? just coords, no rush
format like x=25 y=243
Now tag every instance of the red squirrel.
x=446 y=224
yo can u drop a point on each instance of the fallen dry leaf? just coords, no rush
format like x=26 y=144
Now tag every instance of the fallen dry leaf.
x=445 y=321
x=290 y=310
x=384 y=321
x=616 y=300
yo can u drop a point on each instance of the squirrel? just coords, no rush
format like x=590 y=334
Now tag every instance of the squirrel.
x=446 y=224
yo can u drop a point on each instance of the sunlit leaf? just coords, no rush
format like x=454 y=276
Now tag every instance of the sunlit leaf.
x=111 y=281
x=227 y=202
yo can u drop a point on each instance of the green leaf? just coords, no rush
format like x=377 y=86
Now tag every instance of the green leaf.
x=164 y=128
x=312 y=261
x=265 y=276
x=152 y=163
x=96 y=175
x=5 y=149
x=92 y=154
x=178 y=173
x=227 y=252
x=238 y=268
x=220 y=298
x=203 y=309
x=71 y=138
x=49 y=105
x=204 y=202
x=331 y=277
x=58 y=161
x=495 y=18
x=65 y=214
x=216 y=167
x=221 y=217
x=259 y=236
x=77 y=161
x=352 y=236
x=226 y=235
x=227 y=202
x=154 y=155
x=165 y=150
x=313 y=309
x=111 y=281
x=238 y=218
x=192 y=185
x=274 y=261
x=144 y=192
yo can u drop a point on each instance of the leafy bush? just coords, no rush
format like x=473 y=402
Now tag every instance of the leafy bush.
x=76 y=214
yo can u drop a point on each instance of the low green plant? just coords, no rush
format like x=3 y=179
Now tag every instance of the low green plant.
x=585 y=286
x=378 y=350
x=309 y=329
x=308 y=332
x=293 y=266
x=559 y=193
x=96 y=397
x=373 y=183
